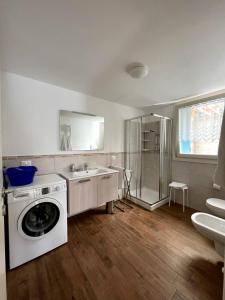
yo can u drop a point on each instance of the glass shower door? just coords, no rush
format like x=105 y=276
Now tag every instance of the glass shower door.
x=148 y=155
x=150 y=159
x=133 y=154
x=165 y=157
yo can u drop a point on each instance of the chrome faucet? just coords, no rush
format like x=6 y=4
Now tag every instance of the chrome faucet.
x=73 y=168
x=85 y=167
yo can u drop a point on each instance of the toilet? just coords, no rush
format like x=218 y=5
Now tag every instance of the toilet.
x=211 y=227
x=216 y=206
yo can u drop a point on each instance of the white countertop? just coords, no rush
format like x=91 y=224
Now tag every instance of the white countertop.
x=90 y=173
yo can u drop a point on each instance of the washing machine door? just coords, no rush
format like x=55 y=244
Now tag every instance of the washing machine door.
x=39 y=218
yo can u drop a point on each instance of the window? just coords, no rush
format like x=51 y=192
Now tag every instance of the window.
x=199 y=128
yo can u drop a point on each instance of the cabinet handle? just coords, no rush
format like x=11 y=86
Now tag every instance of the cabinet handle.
x=84 y=180
x=106 y=177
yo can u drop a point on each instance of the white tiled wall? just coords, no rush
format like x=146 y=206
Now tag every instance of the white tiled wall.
x=199 y=177
x=59 y=163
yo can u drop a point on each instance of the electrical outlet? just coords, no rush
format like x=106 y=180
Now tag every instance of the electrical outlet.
x=25 y=163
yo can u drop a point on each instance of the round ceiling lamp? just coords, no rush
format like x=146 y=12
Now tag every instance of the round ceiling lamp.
x=137 y=70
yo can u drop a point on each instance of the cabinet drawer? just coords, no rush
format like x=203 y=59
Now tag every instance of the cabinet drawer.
x=82 y=195
x=107 y=188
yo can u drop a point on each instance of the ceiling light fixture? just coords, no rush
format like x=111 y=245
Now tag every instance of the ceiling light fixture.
x=137 y=70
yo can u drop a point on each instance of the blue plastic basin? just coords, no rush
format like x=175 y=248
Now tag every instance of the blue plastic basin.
x=21 y=175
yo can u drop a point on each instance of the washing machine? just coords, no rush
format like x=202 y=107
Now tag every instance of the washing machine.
x=37 y=218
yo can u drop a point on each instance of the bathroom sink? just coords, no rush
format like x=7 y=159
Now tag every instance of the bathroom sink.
x=92 y=171
x=211 y=227
x=85 y=172
x=88 y=173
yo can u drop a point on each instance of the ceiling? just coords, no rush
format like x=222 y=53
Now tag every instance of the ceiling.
x=85 y=45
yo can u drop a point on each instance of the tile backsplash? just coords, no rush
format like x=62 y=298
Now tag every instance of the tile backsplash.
x=47 y=164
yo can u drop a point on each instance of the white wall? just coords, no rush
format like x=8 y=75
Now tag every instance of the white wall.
x=199 y=176
x=31 y=116
x=2 y=232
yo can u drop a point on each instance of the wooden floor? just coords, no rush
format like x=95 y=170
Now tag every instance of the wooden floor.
x=133 y=255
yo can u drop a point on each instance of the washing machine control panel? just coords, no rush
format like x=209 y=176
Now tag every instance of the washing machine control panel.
x=30 y=194
x=46 y=190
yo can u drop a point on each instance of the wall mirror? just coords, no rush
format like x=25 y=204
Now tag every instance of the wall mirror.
x=80 y=131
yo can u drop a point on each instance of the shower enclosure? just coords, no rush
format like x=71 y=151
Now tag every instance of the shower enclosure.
x=148 y=155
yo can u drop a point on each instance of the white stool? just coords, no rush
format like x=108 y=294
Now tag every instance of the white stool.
x=178 y=186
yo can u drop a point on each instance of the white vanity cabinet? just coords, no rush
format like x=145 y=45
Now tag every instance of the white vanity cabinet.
x=107 y=187
x=91 y=192
x=82 y=195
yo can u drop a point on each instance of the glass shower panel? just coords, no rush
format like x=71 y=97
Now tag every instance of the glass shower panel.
x=133 y=154
x=148 y=155
x=165 y=157
x=150 y=159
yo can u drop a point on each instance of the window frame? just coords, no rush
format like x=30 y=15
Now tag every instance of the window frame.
x=193 y=157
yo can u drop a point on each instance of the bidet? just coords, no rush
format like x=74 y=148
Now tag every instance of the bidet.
x=213 y=228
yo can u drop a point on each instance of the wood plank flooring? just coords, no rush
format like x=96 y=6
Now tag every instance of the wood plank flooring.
x=133 y=255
